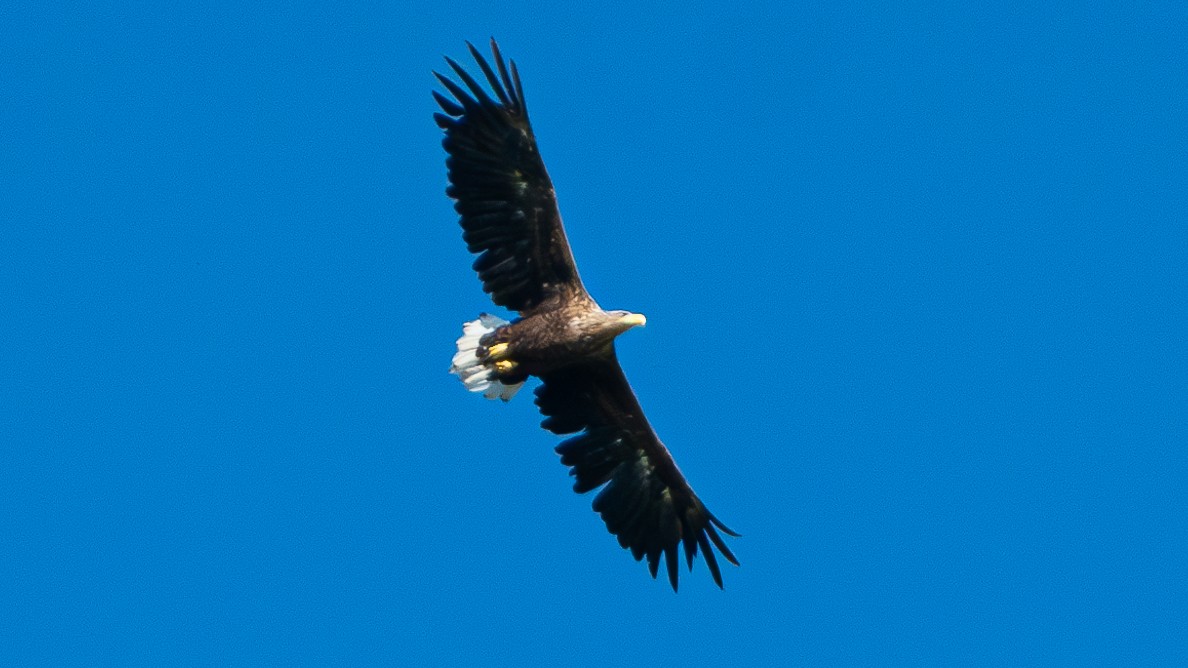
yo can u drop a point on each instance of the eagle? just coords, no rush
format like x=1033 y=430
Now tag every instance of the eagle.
x=509 y=217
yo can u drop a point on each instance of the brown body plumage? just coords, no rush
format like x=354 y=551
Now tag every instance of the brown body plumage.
x=509 y=217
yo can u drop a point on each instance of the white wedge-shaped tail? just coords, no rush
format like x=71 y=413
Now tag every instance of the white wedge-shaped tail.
x=475 y=375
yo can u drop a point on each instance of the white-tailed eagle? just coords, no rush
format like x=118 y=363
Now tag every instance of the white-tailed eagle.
x=509 y=218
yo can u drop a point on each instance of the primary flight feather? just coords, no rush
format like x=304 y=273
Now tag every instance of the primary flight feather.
x=509 y=218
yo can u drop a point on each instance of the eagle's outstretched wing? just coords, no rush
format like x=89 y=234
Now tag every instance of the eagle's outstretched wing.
x=504 y=196
x=646 y=501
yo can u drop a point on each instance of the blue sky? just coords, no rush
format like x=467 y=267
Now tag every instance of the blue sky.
x=915 y=286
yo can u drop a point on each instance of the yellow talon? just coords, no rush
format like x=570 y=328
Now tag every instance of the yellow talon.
x=496 y=351
x=504 y=366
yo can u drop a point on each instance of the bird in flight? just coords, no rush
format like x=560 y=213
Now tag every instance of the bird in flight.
x=510 y=219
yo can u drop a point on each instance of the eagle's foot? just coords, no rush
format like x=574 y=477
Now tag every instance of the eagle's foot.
x=497 y=356
x=480 y=367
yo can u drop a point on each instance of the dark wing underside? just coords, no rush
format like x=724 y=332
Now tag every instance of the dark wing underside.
x=646 y=501
x=508 y=209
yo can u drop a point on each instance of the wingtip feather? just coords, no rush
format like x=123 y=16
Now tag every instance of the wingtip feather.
x=672 y=562
x=720 y=544
x=725 y=529
x=710 y=560
x=449 y=106
x=475 y=88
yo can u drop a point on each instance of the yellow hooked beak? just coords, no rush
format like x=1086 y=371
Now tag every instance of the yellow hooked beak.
x=634 y=320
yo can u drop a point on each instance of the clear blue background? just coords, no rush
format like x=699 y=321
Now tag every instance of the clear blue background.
x=915 y=281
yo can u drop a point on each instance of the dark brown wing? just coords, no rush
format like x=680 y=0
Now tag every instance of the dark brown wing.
x=646 y=502
x=504 y=195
